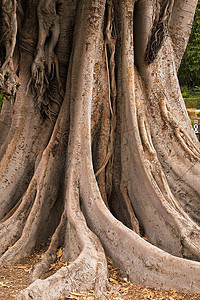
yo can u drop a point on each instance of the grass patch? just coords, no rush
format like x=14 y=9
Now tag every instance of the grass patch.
x=191 y=96
x=190 y=92
x=192 y=102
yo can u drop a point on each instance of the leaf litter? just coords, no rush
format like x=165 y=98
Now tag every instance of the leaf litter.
x=17 y=277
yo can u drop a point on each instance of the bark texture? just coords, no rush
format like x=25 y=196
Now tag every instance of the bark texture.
x=96 y=148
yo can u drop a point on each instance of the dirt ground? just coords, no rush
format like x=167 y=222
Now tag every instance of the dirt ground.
x=16 y=277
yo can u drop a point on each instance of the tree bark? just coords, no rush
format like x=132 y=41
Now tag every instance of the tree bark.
x=97 y=150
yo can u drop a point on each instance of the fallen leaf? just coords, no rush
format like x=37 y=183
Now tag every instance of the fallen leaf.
x=59 y=253
x=113 y=281
x=76 y=294
x=22 y=267
x=149 y=296
x=53 y=265
x=4 y=284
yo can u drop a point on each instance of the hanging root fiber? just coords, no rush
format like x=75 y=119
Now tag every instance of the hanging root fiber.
x=45 y=66
x=9 y=81
x=160 y=28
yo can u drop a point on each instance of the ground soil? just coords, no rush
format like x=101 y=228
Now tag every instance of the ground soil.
x=16 y=277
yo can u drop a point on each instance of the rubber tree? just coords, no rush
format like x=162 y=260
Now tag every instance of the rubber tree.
x=97 y=151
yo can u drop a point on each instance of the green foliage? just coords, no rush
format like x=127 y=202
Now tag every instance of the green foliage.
x=1 y=101
x=192 y=103
x=190 y=92
x=189 y=72
x=191 y=96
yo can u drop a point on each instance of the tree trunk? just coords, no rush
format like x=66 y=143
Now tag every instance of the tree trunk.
x=97 y=150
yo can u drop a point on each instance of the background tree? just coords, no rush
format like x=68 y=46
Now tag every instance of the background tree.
x=190 y=66
x=97 y=150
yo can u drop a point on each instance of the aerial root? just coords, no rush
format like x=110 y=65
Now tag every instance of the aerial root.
x=9 y=26
x=46 y=61
x=146 y=136
x=9 y=81
x=109 y=47
x=145 y=133
x=159 y=29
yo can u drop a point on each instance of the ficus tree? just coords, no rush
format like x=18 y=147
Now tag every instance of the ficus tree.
x=97 y=151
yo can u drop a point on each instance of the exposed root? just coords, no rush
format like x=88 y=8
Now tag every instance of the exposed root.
x=88 y=272
x=18 y=155
x=140 y=151
x=41 y=212
x=118 y=241
x=139 y=261
x=178 y=151
x=11 y=227
x=35 y=211
x=154 y=168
